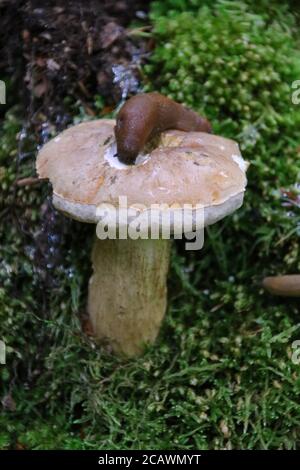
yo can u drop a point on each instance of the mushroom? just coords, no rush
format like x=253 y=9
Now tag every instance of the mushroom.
x=127 y=291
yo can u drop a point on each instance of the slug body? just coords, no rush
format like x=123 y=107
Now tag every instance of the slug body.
x=146 y=115
x=287 y=286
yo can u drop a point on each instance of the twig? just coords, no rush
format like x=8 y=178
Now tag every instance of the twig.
x=30 y=181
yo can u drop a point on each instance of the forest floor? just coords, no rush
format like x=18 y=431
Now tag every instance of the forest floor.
x=220 y=375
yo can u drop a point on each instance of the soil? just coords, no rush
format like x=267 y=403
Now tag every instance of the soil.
x=56 y=52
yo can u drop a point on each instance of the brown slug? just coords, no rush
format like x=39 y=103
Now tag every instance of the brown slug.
x=144 y=116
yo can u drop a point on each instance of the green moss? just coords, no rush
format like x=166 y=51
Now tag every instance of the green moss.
x=277 y=9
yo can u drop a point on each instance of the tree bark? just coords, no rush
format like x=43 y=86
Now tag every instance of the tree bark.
x=127 y=292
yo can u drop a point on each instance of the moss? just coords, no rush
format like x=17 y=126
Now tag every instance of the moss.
x=281 y=11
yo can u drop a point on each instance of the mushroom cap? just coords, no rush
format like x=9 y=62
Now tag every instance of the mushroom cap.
x=194 y=168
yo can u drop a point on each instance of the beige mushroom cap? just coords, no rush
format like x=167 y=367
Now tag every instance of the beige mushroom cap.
x=185 y=168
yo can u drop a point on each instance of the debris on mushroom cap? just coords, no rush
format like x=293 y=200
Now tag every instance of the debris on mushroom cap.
x=185 y=168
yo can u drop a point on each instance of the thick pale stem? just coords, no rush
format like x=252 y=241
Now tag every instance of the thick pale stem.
x=127 y=292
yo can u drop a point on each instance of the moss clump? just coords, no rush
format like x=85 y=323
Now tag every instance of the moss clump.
x=277 y=9
x=230 y=64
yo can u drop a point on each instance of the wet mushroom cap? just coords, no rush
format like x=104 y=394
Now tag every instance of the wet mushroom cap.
x=184 y=168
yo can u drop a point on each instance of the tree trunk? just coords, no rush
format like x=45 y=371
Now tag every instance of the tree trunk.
x=127 y=292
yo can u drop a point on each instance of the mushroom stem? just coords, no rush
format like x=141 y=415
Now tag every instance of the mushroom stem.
x=127 y=292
